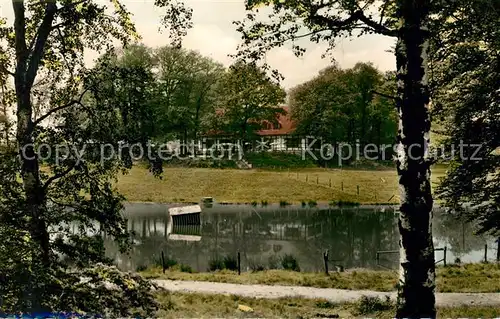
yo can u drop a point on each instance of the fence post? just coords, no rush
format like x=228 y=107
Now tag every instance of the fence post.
x=330 y=182
x=444 y=255
x=163 y=261
x=239 y=263
x=307 y=177
x=485 y=253
x=325 y=260
x=317 y=179
x=378 y=258
x=342 y=185
x=358 y=189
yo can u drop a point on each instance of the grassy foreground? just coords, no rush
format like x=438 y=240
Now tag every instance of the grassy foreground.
x=453 y=278
x=273 y=186
x=190 y=305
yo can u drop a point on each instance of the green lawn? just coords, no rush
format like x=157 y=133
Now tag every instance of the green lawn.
x=191 y=305
x=465 y=278
x=245 y=186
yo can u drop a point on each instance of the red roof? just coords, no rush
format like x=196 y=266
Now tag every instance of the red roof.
x=285 y=125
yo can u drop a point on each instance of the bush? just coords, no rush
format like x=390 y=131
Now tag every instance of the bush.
x=186 y=268
x=272 y=160
x=273 y=262
x=169 y=262
x=369 y=305
x=140 y=268
x=255 y=266
x=289 y=262
x=230 y=263
x=215 y=264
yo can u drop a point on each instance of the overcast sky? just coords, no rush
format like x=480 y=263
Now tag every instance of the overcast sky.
x=214 y=35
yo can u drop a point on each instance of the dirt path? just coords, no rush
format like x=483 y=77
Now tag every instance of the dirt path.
x=334 y=295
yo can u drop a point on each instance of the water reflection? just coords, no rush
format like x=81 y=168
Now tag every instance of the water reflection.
x=264 y=234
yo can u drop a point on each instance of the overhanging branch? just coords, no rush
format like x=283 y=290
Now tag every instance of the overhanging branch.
x=387 y=96
x=61 y=107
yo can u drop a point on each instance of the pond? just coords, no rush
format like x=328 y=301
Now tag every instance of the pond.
x=263 y=235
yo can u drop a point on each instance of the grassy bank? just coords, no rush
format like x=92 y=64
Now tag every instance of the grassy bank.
x=245 y=186
x=189 y=305
x=453 y=278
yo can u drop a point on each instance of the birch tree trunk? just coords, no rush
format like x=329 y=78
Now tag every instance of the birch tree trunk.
x=416 y=297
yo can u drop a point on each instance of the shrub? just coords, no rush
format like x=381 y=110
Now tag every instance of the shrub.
x=273 y=262
x=254 y=203
x=278 y=160
x=186 y=268
x=169 y=262
x=369 y=305
x=289 y=262
x=215 y=264
x=255 y=266
x=263 y=203
x=230 y=263
x=140 y=268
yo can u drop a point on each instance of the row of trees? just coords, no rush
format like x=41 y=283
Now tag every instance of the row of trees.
x=180 y=94
x=343 y=105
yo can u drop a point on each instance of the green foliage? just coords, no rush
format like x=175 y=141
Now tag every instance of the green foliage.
x=369 y=305
x=289 y=262
x=216 y=264
x=45 y=263
x=466 y=87
x=340 y=106
x=273 y=160
x=230 y=263
x=227 y=262
x=202 y=163
x=247 y=100
x=186 y=268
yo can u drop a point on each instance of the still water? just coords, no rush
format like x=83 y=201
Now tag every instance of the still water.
x=263 y=235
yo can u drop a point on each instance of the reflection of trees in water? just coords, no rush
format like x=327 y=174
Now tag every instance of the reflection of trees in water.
x=351 y=235
x=458 y=234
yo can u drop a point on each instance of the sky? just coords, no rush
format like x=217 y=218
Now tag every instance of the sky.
x=214 y=35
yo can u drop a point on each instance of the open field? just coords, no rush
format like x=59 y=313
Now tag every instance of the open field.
x=245 y=186
x=453 y=278
x=192 y=305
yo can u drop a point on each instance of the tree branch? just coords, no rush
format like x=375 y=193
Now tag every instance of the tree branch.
x=41 y=39
x=60 y=175
x=20 y=33
x=384 y=95
x=61 y=107
x=377 y=27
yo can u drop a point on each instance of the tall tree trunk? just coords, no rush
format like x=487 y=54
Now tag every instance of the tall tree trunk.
x=27 y=63
x=417 y=270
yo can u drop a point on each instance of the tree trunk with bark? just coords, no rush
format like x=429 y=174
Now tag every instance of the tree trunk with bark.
x=417 y=270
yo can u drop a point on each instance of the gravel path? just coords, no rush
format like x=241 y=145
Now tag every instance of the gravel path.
x=334 y=295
